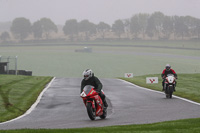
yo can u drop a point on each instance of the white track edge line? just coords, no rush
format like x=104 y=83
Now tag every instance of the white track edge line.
x=33 y=106
x=184 y=99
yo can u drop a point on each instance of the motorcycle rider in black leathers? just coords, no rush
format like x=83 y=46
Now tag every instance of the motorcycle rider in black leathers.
x=167 y=71
x=90 y=79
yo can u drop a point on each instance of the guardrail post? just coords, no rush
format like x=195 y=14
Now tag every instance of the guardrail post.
x=16 y=65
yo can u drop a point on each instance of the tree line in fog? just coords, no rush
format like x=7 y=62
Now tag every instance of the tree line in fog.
x=156 y=26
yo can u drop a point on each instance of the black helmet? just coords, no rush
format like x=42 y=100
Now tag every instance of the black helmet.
x=168 y=67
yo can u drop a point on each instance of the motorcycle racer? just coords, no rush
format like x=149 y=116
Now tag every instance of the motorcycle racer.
x=167 y=71
x=90 y=79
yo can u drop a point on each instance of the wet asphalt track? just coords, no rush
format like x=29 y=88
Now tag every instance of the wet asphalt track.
x=61 y=107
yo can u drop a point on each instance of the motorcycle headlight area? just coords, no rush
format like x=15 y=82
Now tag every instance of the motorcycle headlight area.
x=83 y=94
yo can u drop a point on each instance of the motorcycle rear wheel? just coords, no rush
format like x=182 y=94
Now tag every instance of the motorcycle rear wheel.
x=91 y=112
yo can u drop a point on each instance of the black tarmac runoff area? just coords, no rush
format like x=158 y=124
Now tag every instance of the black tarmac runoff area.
x=62 y=107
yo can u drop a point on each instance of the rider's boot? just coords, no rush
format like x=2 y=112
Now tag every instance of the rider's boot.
x=105 y=103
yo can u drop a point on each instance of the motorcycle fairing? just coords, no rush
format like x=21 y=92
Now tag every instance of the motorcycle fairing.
x=90 y=95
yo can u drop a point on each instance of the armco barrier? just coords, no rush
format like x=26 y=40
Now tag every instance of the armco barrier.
x=20 y=72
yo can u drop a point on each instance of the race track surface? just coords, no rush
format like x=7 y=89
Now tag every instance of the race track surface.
x=61 y=107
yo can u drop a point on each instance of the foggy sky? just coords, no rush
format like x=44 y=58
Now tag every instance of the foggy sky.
x=94 y=10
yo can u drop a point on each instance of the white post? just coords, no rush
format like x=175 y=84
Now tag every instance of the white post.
x=16 y=65
x=7 y=68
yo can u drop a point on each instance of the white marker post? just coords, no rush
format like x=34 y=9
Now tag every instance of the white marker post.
x=128 y=75
x=152 y=80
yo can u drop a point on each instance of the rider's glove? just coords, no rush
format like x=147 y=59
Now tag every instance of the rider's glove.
x=97 y=91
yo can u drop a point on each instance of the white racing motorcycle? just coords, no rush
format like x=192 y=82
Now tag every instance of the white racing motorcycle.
x=169 y=85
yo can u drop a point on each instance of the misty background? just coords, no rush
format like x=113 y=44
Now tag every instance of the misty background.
x=94 y=10
x=93 y=19
x=45 y=31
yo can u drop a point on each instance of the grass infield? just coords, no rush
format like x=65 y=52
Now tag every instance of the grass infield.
x=107 y=60
x=187 y=85
x=18 y=93
x=180 y=126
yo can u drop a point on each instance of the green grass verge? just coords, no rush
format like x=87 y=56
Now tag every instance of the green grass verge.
x=180 y=126
x=18 y=93
x=187 y=85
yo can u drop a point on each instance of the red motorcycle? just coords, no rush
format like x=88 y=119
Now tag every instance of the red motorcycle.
x=169 y=85
x=93 y=103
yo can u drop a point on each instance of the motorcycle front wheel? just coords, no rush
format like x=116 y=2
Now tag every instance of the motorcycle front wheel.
x=91 y=112
x=170 y=91
x=104 y=113
x=167 y=92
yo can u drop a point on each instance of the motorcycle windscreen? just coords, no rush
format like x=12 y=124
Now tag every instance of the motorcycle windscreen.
x=87 y=89
x=170 y=75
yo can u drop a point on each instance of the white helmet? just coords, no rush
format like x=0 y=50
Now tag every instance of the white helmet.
x=168 y=67
x=87 y=74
